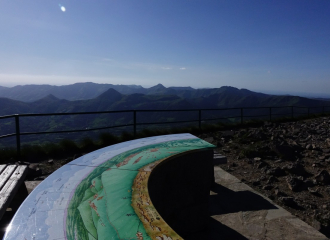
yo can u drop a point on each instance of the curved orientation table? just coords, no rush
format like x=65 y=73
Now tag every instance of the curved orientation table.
x=140 y=189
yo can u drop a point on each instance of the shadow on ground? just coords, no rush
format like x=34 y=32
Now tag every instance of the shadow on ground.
x=228 y=201
x=216 y=231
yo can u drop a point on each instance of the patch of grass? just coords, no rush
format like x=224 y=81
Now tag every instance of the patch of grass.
x=69 y=146
x=33 y=153
x=52 y=150
x=126 y=136
x=8 y=155
x=107 y=139
x=87 y=145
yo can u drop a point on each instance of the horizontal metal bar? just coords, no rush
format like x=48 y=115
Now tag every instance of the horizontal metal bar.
x=283 y=107
x=257 y=116
x=282 y=114
x=169 y=110
x=155 y=123
x=8 y=135
x=211 y=119
x=80 y=130
x=220 y=109
x=299 y=107
x=74 y=113
x=123 y=111
x=7 y=116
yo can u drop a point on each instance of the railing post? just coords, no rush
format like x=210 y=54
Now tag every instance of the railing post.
x=18 y=136
x=270 y=114
x=200 y=118
x=241 y=115
x=292 y=112
x=134 y=122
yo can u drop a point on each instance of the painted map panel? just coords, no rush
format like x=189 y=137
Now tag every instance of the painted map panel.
x=91 y=197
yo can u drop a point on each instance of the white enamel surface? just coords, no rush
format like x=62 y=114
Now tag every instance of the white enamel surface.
x=42 y=214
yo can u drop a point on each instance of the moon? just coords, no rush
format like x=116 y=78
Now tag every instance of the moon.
x=63 y=8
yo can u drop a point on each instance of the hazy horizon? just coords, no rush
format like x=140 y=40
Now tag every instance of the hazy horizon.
x=277 y=46
x=301 y=94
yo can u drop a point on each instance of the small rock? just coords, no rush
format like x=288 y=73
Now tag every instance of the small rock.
x=34 y=170
x=288 y=201
x=313 y=191
x=23 y=163
x=272 y=179
x=312 y=206
x=261 y=165
x=277 y=172
x=40 y=178
x=294 y=183
x=321 y=157
x=316 y=165
x=285 y=151
x=256 y=183
x=257 y=159
x=233 y=164
x=323 y=177
x=279 y=193
x=295 y=168
x=308 y=183
x=326 y=150
x=51 y=161
x=33 y=166
x=267 y=187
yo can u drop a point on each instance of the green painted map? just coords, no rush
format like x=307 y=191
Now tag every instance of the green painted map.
x=101 y=205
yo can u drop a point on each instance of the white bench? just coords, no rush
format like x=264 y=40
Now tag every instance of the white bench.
x=11 y=179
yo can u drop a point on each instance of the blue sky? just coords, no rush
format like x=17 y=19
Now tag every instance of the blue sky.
x=268 y=45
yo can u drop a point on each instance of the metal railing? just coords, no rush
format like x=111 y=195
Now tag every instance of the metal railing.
x=241 y=116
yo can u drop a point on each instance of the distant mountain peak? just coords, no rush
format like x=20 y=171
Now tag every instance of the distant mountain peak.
x=49 y=97
x=110 y=94
x=158 y=86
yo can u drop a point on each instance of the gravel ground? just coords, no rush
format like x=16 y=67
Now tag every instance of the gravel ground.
x=287 y=162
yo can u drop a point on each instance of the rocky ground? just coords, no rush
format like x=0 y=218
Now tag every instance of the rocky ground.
x=287 y=162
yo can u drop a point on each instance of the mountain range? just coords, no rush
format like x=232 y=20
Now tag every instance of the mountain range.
x=101 y=97
x=81 y=91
